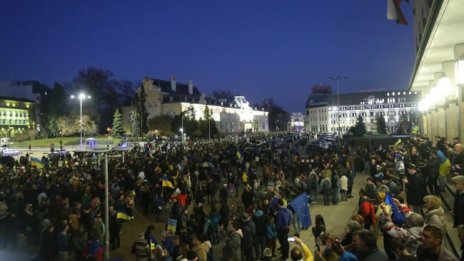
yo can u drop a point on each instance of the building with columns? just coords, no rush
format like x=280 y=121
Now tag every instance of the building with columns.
x=172 y=98
x=438 y=71
x=323 y=110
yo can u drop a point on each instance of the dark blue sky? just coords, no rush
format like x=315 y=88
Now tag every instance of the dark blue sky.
x=258 y=48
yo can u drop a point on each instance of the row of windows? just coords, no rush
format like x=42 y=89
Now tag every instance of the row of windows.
x=13 y=114
x=14 y=122
x=377 y=106
x=14 y=104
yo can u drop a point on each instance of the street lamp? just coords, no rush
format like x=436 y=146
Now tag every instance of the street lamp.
x=338 y=78
x=81 y=97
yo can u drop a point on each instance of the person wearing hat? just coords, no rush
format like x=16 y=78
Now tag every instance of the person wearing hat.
x=458 y=208
x=249 y=234
x=415 y=187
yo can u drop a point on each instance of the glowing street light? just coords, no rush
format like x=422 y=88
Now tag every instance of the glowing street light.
x=81 y=97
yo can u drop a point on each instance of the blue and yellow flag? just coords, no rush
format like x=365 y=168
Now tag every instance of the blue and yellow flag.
x=35 y=162
x=166 y=183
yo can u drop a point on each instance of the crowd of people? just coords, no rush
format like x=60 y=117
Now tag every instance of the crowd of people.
x=237 y=193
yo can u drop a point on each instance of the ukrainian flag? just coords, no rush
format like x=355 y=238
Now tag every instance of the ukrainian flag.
x=166 y=182
x=123 y=216
x=35 y=162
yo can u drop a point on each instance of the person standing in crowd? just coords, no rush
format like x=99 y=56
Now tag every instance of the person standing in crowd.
x=415 y=187
x=283 y=219
x=232 y=249
x=434 y=214
x=458 y=208
x=249 y=236
x=458 y=159
x=431 y=247
x=433 y=171
x=366 y=209
x=344 y=187
x=202 y=247
x=365 y=245
x=141 y=248
x=319 y=227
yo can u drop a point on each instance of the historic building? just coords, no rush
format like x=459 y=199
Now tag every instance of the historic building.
x=172 y=98
x=438 y=71
x=297 y=122
x=323 y=110
x=17 y=109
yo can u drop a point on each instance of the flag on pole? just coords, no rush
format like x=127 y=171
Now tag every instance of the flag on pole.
x=397 y=216
x=301 y=206
x=394 y=12
x=35 y=162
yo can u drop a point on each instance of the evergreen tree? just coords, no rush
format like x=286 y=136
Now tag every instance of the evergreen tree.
x=117 y=123
x=381 y=125
x=360 y=127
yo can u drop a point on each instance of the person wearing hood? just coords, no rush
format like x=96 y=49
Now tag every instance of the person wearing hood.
x=232 y=248
x=249 y=235
x=434 y=214
x=260 y=221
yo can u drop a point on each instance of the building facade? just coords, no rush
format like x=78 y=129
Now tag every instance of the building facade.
x=16 y=116
x=18 y=110
x=329 y=113
x=297 y=122
x=172 y=98
x=438 y=71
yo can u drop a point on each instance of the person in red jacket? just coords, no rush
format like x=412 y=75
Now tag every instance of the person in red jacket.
x=366 y=209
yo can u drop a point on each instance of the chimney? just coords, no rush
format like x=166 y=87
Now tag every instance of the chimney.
x=173 y=83
x=190 y=87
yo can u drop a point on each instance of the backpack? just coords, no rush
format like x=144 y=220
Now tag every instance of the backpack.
x=326 y=184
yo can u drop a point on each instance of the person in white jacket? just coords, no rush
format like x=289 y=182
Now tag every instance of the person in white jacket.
x=343 y=187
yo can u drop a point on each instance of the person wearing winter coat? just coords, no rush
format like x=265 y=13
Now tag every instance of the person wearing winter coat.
x=201 y=246
x=434 y=214
x=343 y=187
x=249 y=235
x=232 y=249
x=415 y=187
x=260 y=220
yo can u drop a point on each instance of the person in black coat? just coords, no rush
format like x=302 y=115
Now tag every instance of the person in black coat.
x=48 y=245
x=415 y=188
x=458 y=208
x=247 y=197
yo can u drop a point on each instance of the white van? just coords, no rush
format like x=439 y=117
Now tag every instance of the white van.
x=5 y=142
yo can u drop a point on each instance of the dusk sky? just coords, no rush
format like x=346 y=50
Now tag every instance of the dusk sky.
x=260 y=49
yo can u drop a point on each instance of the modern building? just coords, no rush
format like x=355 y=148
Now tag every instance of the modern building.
x=17 y=109
x=438 y=71
x=172 y=98
x=336 y=114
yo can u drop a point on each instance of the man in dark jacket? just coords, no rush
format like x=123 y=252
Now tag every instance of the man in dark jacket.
x=283 y=219
x=365 y=244
x=249 y=234
x=458 y=209
x=415 y=187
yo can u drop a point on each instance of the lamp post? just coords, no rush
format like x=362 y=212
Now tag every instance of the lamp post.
x=81 y=97
x=337 y=79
